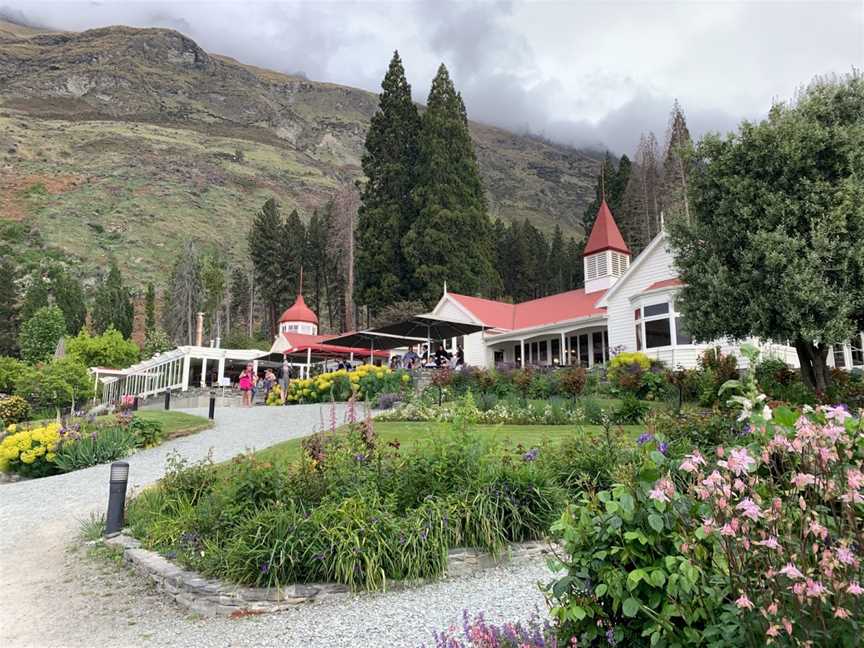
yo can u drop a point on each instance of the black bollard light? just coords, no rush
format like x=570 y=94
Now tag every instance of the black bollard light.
x=135 y=404
x=167 y=399
x=116 y=498
x=212 y=410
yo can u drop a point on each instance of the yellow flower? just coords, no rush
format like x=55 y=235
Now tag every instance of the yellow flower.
x=405 y=378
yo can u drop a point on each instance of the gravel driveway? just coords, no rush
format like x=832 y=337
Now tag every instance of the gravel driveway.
x=53 y=596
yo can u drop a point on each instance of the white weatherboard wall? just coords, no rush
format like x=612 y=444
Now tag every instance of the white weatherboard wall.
x=655 y=266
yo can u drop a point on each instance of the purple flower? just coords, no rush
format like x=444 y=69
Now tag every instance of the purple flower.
x=610 y=636
x=265 y=567
x=663 y=447
x=531 y=455
x=360 y=458
x=644 y=438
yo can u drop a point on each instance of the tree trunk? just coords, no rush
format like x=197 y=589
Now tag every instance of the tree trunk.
x=815 y=372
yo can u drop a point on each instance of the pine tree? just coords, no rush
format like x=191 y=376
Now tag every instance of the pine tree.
x=150 y=309
x=557 y=264
x=677 y=163
x=606 y=176
x=270 y=262
x=639 y=215
x=69 y=297
x=8 y=309
x=576 y=274
x=113 y=304
x=449 y=240
x=293 y=255
x=386 y=210
x=242 y=303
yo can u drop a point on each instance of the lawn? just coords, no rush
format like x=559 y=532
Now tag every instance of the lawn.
x=175 y=424
x=409 y=433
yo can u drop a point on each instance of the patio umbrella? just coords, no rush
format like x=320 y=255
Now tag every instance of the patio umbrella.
x=374 y=340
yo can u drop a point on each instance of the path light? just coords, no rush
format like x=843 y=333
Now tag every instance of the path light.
x=212 y=409
x=167 y=399
x=116 y=498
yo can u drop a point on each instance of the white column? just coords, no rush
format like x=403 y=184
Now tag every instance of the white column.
x=185 y=376
x=203 y=373
x=221 y=373
x=308 y=360
x=590 y=350
x=522 y=352
x=562 y=350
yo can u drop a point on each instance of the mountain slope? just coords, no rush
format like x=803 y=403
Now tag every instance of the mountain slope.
x=126 y=141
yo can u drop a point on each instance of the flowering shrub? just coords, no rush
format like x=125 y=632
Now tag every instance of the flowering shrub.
x=477 y=632
x=30 y=452
x=13 y=409
x=366 y=381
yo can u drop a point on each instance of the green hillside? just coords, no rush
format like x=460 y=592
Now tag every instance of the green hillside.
x=128 y=141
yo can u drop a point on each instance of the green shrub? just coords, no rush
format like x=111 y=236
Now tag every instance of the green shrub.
x=571 y=381
x=147 y=433
x=625 y=370
x=589 y=461
x=90 y=449
x=13 y=409
x=695 y=428
x=631 y=410
x=56 y=384
x=10 y=369
x=110 y=349
x=39 y=335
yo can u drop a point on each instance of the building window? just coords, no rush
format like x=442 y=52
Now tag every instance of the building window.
x=574 y=349
x=543 y=347
x=656 y=309
x=681 y=335
x=599 y=353
x=583 y=350
x=839 y=356
x=856 y=344
x=499 y=357
x=657 y=333
x=517 y=353
x=591 y=267
x=556 y=351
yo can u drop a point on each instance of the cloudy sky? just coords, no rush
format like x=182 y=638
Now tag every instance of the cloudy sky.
x=579 y=72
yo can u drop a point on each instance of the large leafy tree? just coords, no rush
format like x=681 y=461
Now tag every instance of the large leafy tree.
x=113 y=304
x=110 y=349
x=450 y=238
x=776 y=246
x=39 y=334
x=386 y=208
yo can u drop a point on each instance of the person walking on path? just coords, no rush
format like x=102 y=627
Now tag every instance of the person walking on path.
x=247 y=383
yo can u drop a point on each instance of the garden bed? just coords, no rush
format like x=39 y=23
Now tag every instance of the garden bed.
x=214 y=597
x=44 y=448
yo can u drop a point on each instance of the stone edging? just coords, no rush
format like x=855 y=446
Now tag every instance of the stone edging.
x=211 y=597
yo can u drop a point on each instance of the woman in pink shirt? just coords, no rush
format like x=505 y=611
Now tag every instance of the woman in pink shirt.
x=246 y=383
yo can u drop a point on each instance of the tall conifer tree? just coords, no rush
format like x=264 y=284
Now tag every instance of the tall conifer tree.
x=267 y=249
x=387 y=210
x=8 y=309
x=677 y=163
x=449 y=240
x=113 y=304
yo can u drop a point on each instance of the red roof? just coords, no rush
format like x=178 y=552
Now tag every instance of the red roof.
x=299 y=312
x=605 y=234
x=301 y=342
x=562 y=307
x=665 y=283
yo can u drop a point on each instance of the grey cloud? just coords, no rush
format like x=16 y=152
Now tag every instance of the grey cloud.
x=591 y=74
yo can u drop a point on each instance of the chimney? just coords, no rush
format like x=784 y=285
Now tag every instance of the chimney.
x=199 y=330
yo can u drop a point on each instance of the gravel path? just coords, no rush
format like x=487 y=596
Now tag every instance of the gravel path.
x=51 y=595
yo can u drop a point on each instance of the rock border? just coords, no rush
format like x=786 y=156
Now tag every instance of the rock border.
x=213 y=597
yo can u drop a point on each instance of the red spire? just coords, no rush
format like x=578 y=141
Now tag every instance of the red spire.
x=299 y=312
x=605 y=234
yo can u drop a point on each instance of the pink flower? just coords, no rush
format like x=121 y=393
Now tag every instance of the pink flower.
x=787 y=626
x=841 y=613
x=727 y=530
x=802 y=480
x=749 y=509
x=855 y=589
x=692 y=462
x=714 y=481
x=852 y=496
x=739 y=461
x=770 y=543
x=663 y=490
x=838 y=413
x=743 y=602
x=845 y=556
x=817 y=530
x=772 y=609
x=855 y=479
x=791 y=571
x=815 y=589
x=773 y=630
x=708 y=526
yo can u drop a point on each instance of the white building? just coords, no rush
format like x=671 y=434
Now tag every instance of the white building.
x=625 y=306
